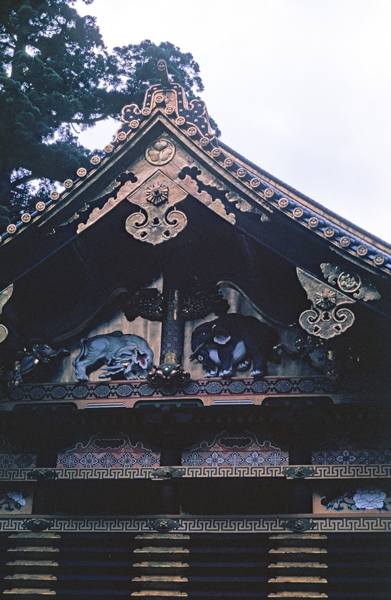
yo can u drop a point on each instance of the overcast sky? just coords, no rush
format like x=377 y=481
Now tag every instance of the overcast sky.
x=301 y=88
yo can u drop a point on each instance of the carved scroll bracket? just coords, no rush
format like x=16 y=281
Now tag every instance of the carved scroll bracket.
x=349 y=282
x=325 y=319
x=159 y=221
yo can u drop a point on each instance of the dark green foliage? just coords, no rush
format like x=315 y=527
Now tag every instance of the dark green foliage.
x=56 y=78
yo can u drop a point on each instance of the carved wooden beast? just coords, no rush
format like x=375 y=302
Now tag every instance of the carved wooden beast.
x=233 y=341
x=121 y=353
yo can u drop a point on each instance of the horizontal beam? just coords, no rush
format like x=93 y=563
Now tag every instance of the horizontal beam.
x=166 y=473
x=203 y=524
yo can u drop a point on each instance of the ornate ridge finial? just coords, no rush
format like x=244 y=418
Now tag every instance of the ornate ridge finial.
x=163 y=72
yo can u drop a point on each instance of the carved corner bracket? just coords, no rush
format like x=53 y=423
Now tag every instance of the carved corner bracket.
x=325 y=319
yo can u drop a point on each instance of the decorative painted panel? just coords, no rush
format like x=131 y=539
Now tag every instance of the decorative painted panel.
x=345 y=452
x=16 y=499
x=104 y=452
x=364 y=498
x=14 y=456
x=233 y=451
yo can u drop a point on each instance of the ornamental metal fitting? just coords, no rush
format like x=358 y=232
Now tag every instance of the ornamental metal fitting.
x=168 y=375
x=298 y=472
x=159 y=220
x=298 y=524
x=349 y=282
x=325 y=320
x=163 y=525
x=37 y=525
x=42 y=474
x=5 y=295
x=167 y=473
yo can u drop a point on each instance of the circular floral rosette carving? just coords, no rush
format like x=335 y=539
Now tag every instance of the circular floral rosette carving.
x=269 y=193
x=329 y=232
x=283 y=203
x=228 y=162
x=169 y=110
x=146 y=112
x=40 y=206
x=298 y=212
x=369 y=498
x=345 y=241
x=68 y=183
x=54 y=196
x=160 y=152
x=192 y=131
x=180 y=121
x=204 y=141
x=379 y=260
x=313 y=222
x=108 y=148
x=134 y=124
x=255 y=182
x=216 y=152
x=11 y=228
x=241 y=172
x=121 y=137
x=157 y=193
x=362 y=250
x=26 y=218
x=95 y=160
x=348 y=282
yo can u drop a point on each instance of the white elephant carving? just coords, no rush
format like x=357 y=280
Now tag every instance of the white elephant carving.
x=120 y=353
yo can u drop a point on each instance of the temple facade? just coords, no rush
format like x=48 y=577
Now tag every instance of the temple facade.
x=195 y=376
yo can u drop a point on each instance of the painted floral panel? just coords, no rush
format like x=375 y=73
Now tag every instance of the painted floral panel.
x=345 y=452
x=14 y=456
x=234 y=451
x=366 y=498
x=104 y=452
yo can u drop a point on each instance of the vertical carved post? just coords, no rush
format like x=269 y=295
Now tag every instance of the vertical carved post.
x=170 y=372
x=173 y=326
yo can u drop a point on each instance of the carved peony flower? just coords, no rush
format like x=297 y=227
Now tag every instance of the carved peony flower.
x=17 y=498
x=369 y=498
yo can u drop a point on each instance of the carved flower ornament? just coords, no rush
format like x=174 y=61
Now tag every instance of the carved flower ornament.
x=157 y=193
x=325 y=299
x=369 y=498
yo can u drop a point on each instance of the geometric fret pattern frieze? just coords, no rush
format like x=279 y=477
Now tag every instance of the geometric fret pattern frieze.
x=208 y=524
x=378 y=471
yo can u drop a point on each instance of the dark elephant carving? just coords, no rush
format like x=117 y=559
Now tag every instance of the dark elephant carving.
x=233 y=342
